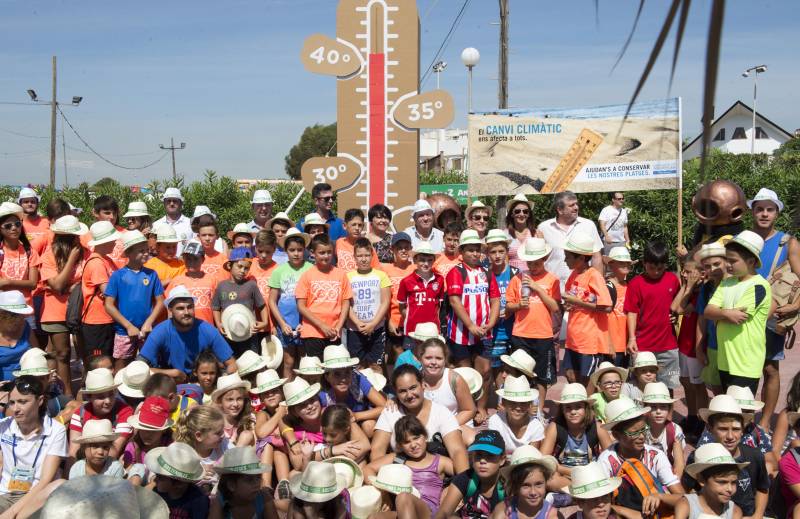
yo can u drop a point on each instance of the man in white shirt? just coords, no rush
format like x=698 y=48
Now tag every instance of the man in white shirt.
x=262 y=209
x=556 y=231
x=173 y=205
x=613 y=222
x=423 y=229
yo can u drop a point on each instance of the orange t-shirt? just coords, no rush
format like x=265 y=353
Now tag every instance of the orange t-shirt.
x=324 y=293
x=54 y=305
x=117 y=255
x=534 y=322
x=202 y=289
x=35 y=228
x=444 y=263
x=396 y=275
x=587 y=331
x=214 y=264
x=96 y=273
x=166 y=270
x=42 y=242
x=346 y=256
x=261 y=277
x=17 y=265
x=618 y=321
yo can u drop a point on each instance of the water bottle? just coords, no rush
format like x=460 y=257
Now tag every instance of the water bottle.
x=526 y=292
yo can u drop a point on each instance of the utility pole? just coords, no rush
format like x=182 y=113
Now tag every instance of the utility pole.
x=502 y=90
x=172 y=148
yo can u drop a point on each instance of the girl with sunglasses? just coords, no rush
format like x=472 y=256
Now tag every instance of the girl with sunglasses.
x=18 y=261
x=520 y=226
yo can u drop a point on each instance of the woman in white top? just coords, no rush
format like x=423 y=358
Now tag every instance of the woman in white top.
x=33 y=445
x=407 y=381
x=446 y=387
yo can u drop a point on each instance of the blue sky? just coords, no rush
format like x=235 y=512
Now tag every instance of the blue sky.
x=226 y=78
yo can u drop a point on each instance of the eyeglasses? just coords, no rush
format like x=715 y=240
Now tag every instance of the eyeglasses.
x=635 y=434
x=479 y=218
x=12 y=225
x=521 y=211
x=325 y=198
x=615 y=383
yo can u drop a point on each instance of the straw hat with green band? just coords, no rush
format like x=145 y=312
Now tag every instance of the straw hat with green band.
x=178 y=461
x=298 y=391
x=573 y=393
x=318 y=483
x=581 y=243
x=712 y=455
x=103 y=232
x=266 y=381
x=527 y=455
x=590 y=481
x=750 y=241
x=337 y=356
x=745 y=398
x=241 y=460
x=621 y=410
x=395 y=479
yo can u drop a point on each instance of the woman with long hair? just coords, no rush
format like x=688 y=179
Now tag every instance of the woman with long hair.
x=520 y=226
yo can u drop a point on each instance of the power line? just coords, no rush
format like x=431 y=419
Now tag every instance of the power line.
x=101 y=157
x=23 y=134
x=446 y=41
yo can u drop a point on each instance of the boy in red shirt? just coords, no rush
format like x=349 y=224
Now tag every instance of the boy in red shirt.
x=647 y=304
x=420 y=293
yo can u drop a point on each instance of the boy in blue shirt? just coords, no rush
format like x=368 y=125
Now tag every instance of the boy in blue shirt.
x=497 y=254
x=134 y=299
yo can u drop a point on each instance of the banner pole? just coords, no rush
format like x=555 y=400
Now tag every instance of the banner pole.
x=680 y=172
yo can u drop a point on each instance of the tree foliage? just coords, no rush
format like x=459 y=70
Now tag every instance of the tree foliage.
x=316 y=141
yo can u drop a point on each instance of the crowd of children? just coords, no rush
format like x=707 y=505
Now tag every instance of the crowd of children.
x=338 y=385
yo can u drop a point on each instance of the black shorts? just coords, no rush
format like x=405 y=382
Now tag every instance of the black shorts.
x=460 y=352
x=367 y=348
x=735 y=380
x=543 y=352
x=253 y=344
x=314 y=346
x=98 y=339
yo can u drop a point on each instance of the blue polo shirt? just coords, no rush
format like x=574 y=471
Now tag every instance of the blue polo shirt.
x=167 y=348
x=133 y=293
x=335 y=226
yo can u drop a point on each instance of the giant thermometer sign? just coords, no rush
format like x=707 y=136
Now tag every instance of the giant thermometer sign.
x=375 y=58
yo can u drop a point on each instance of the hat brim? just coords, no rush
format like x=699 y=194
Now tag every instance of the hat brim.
x=534 y=257
x=509 y=361
x=258 y=366
x=305 y=236
x=151 y=462
x=548 y=463
x=596 y=492
x=134 y=214
x=231 y=234
x=261 y=469
x=776 y=201
x=308 y=371
x=639 y=413
x=609 y=259
x=522 y=399
x=622 y=372
x=471 y=241
x=659 y=399
x=658 y=368
x=295 y=486
x=273 y=359
x=586 y=400
x=103 y=389
x=221 y=391
x=33 y=372
x=312 y=391
x=24 y=310
x=377 y=380
x=471 y=209
x=358 y=475
x=485 y=447
x=758 y=406
x=134 y=422
x=695 y=469
x=82 y=229
x=100 y=438
x=581 y=252
x=272 y=384
x=107 y=239
x=754 y=251
x=373 y=480
x=414 y=336
x=511 y=203
x=129 y=391
x=273 y=221
x=705 y=413
x=329 y=366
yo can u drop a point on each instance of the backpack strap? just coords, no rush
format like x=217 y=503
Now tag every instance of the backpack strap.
x=784 y=240
x=561 y=439
x=670 y=427
x=592 y=440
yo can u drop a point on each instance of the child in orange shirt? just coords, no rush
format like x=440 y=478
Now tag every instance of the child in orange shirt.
x=106 y=208
x=208 y=235
x=533 y=299
x=451 y=257
x=323 y=299
x=166 y=265
x=587 y=300
x=619 y=263
x=97 y=326
x=345 y=252
x=200 y=284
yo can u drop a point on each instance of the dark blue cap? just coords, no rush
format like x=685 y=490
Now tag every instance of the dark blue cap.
x=488 y=441
x=400 y=236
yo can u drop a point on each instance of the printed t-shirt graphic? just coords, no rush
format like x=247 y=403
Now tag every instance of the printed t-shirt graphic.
x=396 y=274
x=587 y=331
x=214 y=264
x=35 y=229
x=54 y=304
x=346 y=256
x=534 y=322
x=476 y=289
x=422 y=299
x=366 y=290
x=17 y=264
x=202 y=289
x=285 y=279
x=324 y=293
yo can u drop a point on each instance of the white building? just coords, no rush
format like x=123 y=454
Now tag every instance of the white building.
x=732 y=132
x=450 y=143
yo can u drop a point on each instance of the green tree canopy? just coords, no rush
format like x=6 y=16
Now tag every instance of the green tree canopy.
x=316 y=141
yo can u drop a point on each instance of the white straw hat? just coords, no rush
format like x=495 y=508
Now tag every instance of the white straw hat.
x=572 y=393
x=97 y=431
x=178 y=292
x=619 y=254
x=177 y=461
x=606 y=367
x=645 y=359
x=528 y=454
x=348 y=469
x=657 y=393
x=497 y=235
x=336 y=356
x=32 y=363
x=250 y=362
x=172 y=192
x=533 y=249
x=99 y=380
x=766 y=195
x=309 y=366
x=103 y=232
x=420 y=206
x=477 y=204
x=364 y=501
x=318 y=483
x=723 y=404
x=745 y=398
x=294 y=231
x=395 y=479
x=272 y=351
x=267 y=380
x=377 y=380
x=261 y=196
x=581 y=243
x=131 y=238
x=621 y=410
x=238 y=321
x=750 y=241
x=227 y=383
x=27 y=192
x=103 y=496
x=423 y=247
x=590 y=481
x=520 y=360
x=712 y=455
x=516 y=389
x=519 y=198
x=298 y=391
x=425 y=331
x=241 y=460
x=240 y=228
x=137 y=208
x=711 y=250
x=314 y=219
x=7 y=208
x=166 y=233
x=280 y=217
x=132 y=378
x=13 y=301
x=469 y=237
x=200 y=210
x=69 y=224
x=473 y=379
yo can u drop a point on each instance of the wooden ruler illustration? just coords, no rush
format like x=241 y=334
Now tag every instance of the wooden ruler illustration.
x=573 y=160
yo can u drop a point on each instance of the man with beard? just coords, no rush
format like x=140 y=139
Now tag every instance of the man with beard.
x=262 y=210
x=323 y=201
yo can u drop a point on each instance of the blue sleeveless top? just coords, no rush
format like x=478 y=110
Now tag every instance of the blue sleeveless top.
x=771 y=246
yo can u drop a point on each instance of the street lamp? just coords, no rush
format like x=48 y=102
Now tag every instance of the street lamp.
x=758 y=69
x=470 y=57
x=438 y=68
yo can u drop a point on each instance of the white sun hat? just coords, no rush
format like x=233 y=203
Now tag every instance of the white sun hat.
x=241 y=460
x=581 y=243
x=364 y=501
x=201 y=210
x=97 y=431
x=516 y=389
x=420 y=206
x=395 y=479
x=572 y=393
x=530 y=455
x=97 y=496
x=172 y=192
x=178 y=461
x=606 y=367
x=13 y=301
x=267 y=380
x=377 y=380
x=657 y=393
x=591 y=480
x=99 y=380
x=7 y=208
x=745 y=398
x=469 y=237
x=132 y=379
x=250 y=362
x=712 y=455
x=27 y=192
x=238 y=321
x=178 y=292
x=766 y=195
x=619 y=254
x=621 y=410
x=473 y=379
x=227 y=383
x=240 y=228
x=314 y=219
x=752 y=242
x=477 y=204
x=348 y=469
x=294 y=231
x=423 y=247
x=519 y=198
x=425 y=331
x=318 y=483
x=261 y=196
x=533 y=249
x=69 y=224
x=131 y=238
x=166 y=233
x=336 y=356
x=280 y=217
x=520 y=360
x=298 y=391
x=272 y=351
x=723 y=404
x=497 y=235
x=103 y=232
x=309 y=365
x=711 y=250
x=32 y=363
x=645 y=359
x=137 y=208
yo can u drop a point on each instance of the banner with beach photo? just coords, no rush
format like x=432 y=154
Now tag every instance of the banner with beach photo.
x=578 y=149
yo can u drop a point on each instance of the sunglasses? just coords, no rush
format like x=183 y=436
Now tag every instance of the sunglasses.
x=325 y=198
x=479 y=218
x=612 y=384
x=521 y=211
x=635 y=434
x=12 y=225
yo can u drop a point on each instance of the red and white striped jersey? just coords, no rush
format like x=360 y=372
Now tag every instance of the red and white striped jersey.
x=476 y=287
